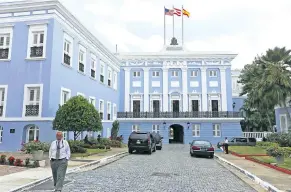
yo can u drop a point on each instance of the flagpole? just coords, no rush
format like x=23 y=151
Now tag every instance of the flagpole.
x=164 y=26
x=182 y=27
x=173 y=24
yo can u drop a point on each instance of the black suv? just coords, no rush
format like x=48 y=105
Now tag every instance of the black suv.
x=141 y=141
x=158 y=139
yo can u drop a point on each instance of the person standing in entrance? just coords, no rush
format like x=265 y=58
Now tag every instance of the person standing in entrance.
x=59 y=154
x=226 y=145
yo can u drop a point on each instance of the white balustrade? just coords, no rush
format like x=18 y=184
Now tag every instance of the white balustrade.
x=258 y=135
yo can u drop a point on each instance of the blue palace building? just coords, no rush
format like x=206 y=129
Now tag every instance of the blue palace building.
x=48 y=56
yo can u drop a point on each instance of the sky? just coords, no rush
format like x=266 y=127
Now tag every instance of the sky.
x=245 y=27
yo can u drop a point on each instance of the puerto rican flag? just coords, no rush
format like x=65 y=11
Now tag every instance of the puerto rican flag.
x=177 y=12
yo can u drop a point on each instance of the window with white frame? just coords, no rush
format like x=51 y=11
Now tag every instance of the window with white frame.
x=109 y=79
x=68 y=50
x=101 y=109
x=156 y=128
x=108 y=110
x=114 y=80
x=102 y=71
x=33 y=100
x=175 y=73
x=65 y=95
x=135 y=128
x=216 y=130
x=5 y=44
x=92 y=101
x=136 y=73
x=3 y=95
x=196 y=130
x=80 y=94
x=93 y=67
x=82 y=59
x=212 y=73
x=37 y=41
x=156 y=73
x=194 y=73
x=1 y=134
x=32 y=133
x=114 y=111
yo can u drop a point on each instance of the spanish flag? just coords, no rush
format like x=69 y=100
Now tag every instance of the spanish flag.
x=185 y=12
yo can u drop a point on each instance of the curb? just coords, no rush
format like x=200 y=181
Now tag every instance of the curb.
x=37 y=182
x=267 y=186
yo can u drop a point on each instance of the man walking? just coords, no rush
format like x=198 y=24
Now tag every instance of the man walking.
x=59 y=155
x=226 y=145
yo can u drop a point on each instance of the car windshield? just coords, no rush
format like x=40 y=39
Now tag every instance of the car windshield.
x=138 y=136
x=202 y=143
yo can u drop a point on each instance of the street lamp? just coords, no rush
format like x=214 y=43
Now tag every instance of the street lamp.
x=188 y=124
x=233 y=105
x=164 y=124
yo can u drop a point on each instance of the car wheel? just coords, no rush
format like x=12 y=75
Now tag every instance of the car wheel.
x=150 y=152
x=192 y=155
x=130 y=151
x=211 y=156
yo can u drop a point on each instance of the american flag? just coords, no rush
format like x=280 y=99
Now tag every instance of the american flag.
x=169 y=12
x=177 y=12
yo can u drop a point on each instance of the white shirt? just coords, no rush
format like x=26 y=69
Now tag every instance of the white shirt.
x=65 y=151
x=226 y=141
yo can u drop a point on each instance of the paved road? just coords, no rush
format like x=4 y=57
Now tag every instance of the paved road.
x=169 y=170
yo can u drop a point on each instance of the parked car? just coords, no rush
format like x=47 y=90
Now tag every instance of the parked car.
x=240 y=141
x=201 y=148
x=158 y=140
x=141 y=142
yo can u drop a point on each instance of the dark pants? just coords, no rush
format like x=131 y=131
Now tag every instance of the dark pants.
x=226 y=148
x=59 y=168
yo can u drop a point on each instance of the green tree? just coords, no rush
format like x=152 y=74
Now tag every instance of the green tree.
x=114 y=130
x=77 y=115
x=267 y=83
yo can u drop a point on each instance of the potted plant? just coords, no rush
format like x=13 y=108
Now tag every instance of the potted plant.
x=3 y=159
x=276 y=152
x=11 y=160
x=37 y=149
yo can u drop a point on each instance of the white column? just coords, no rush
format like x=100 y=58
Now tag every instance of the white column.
x=165 y=90
x=146 y=89
x=204 y=89
x=185 y=89
x=126 y=89
x=223 y=89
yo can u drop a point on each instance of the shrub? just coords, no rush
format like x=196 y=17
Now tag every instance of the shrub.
x=287 y=151
x=266 y=145
x=283 y=139
x=116 y=143
x=3 y=159
x=27 y=162
x=18 y=162
x=35 y=146
x=275 y=151
x=11 y=160
x=77 y=147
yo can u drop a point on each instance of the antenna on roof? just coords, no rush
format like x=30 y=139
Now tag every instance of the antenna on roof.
x=116 y=48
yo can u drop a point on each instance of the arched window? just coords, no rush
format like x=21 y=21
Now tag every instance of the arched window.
x=1 y=134
x=32 y=133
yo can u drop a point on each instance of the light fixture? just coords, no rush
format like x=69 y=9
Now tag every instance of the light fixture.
x=233 y=105
x=188 y=124
x=164 y=124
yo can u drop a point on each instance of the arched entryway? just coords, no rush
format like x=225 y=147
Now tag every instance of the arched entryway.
x=176 y=134
x=31 y=133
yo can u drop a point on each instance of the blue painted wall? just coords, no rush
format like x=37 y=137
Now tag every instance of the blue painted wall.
x=239 y=101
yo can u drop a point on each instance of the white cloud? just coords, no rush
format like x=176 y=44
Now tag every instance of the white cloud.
x=129 y=23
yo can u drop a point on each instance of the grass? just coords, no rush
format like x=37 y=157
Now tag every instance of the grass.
x=247 y=150
x=90 y=152
x=267 y=159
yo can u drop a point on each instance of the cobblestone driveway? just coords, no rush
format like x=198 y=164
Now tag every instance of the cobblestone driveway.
x=169 y=170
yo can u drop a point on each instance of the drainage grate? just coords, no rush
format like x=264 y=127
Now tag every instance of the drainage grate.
x=48 y=185
x=159 y=174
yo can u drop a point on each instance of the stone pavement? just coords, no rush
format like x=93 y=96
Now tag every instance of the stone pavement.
x=14 y=180
x=170 y=170
x=280 y=180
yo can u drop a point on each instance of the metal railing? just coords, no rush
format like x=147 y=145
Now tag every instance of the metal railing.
x=31 y=110
x=36 y=51
x=67 y=59
x=195 y=114
x=1 y=111
x=4 y=53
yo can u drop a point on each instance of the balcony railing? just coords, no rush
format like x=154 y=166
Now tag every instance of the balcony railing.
x=93 y=73
x=31 y=110
x=197 y=114
x=81 y=67
x=1 y=111
x=4 y=53
x=36 y=51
